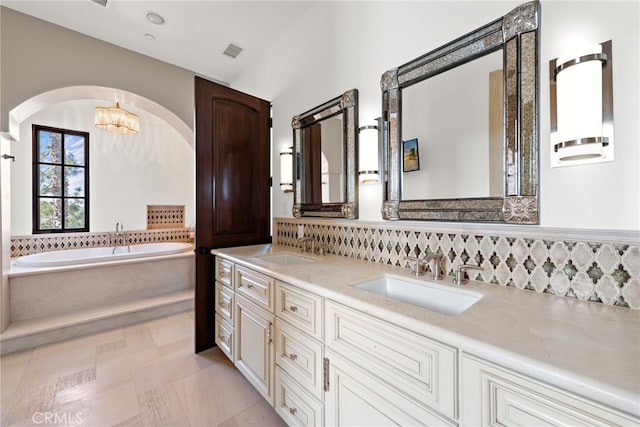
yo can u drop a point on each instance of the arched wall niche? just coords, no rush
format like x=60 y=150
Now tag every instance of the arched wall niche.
x=128 y=172
x=33 y=105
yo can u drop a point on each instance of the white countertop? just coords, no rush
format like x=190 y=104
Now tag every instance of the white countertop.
x=587 y=348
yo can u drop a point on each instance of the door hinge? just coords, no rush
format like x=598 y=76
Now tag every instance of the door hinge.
x=270 y=122
x=325 y=373
x=270 y=181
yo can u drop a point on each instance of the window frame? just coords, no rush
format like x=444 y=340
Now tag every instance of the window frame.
x=36 y=229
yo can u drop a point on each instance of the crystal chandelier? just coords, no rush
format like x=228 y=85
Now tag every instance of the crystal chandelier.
x=116 y=120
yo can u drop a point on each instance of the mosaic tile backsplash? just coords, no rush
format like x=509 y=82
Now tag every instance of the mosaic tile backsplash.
x=604 y=272
x=26 y=245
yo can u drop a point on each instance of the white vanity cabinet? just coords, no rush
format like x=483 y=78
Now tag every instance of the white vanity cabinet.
x=299 y=395
x=496 y=396
x=373 y=362
x=224 y=307
x=321 y=362
x=244 y=322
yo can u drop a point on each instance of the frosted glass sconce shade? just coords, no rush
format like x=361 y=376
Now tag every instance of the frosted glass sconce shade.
x=368 y=148
x=582 y=107
x=117 y=120
x=286 y=170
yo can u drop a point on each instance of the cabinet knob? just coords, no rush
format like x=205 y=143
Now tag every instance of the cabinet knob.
x=293 y=411
x=293 y=308
x=249 y=285
x=293 y=356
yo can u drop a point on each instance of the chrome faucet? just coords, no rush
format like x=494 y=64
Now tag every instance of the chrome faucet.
x=305 y=247
x=120 y=238
x=460 y=279
x=436 y=258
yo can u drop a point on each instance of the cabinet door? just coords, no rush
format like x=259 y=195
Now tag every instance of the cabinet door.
x=358 y=398
x=253 y=345
x=495 y=396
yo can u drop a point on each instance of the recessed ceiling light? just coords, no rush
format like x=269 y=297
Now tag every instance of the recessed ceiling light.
x=155 y=18
x=150 y=36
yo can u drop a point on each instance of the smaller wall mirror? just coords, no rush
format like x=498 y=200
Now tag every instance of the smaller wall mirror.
x=324 y=159
x=461 y=127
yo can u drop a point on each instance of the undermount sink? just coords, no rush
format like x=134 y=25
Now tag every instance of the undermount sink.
x=431 y=296
x=286 y=259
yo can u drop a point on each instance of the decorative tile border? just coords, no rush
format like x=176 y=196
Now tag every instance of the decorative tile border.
x=26 y=245
x=165 y=216
x=577 y=263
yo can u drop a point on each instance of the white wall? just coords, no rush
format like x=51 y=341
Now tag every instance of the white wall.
x=38 y=57
x=127 y=173
x=343 y=45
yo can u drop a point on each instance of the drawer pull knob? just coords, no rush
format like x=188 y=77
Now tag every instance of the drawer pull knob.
x=293 y=411
x=293 y=356
x=293 y=308
x=249 y=286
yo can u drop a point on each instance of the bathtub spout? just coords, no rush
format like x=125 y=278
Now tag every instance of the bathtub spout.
x=120 y=238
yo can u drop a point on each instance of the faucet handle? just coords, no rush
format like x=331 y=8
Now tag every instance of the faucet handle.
x=417 y=271
x=460 y=279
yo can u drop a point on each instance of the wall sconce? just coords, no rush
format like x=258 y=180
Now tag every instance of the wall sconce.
x=368 y=147
x=117 y=120
x=582 y=106
x=286 y=170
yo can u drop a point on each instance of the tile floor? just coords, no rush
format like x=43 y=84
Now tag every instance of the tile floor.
x=141 y=375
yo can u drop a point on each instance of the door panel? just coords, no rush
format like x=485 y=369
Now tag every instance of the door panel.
x=232 y=185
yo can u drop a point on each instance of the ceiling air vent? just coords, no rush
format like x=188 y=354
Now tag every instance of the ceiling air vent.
x=232 y=50
x=100 y=2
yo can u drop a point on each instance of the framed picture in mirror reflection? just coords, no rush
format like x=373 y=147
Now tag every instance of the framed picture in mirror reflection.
x=410 y=155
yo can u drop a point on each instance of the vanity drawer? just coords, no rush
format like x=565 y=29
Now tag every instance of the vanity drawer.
x=422 y=368
x=300 y=356
x=224 y=336
x=294 y=405
x=224 y=271
x=255 y=286
x=300 y=308
x=493 y=395
x=224 y=302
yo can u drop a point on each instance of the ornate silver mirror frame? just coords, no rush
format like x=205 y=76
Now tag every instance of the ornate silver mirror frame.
x=347 y=106
x=517 y=34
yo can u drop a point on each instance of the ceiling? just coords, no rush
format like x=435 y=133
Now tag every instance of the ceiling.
x=193 y=36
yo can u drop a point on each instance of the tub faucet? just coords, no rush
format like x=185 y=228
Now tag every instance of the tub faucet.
x=121 y=238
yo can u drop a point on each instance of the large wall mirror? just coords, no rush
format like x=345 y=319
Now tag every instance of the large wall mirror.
x=324 y=159
x=461 y=127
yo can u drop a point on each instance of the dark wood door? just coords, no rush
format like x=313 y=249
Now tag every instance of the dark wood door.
x=232 y=185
